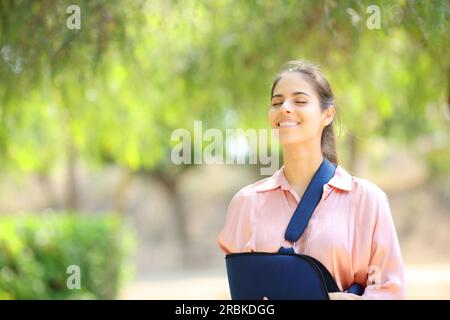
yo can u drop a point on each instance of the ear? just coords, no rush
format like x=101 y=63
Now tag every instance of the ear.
x=329 y=115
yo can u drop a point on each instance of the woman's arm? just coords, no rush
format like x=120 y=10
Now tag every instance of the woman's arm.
x=237 y=229
x=385 y=274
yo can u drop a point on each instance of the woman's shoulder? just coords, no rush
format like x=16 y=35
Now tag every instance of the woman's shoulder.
x=369 y=198
x=363 y=192
x=250 y=191
x=245 y=201
x=250 y=195
x=367 y=188
x=345 y=180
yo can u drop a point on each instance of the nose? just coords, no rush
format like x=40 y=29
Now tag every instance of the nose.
x=286 y=107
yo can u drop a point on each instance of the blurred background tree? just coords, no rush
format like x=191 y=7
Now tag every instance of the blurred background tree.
x=112 y=92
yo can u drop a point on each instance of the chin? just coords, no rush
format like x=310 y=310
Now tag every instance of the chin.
x=286 y=140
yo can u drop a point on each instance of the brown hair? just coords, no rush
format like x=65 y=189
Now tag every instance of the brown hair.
x=326 y=98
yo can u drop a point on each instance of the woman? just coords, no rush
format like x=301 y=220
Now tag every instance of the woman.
x=351 y=230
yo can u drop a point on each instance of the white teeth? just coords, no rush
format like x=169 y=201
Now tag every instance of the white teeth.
x=288 y=124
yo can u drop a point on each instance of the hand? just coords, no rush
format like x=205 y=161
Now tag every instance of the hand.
x=344 y=296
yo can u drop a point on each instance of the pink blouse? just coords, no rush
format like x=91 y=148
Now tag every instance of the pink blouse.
x=351 y=230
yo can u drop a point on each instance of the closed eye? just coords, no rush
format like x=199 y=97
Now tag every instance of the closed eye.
x=278 y=104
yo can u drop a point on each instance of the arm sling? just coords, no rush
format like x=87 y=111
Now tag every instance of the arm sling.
x=286 y=275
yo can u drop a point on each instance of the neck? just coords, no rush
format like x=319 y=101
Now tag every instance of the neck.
x=301 y=162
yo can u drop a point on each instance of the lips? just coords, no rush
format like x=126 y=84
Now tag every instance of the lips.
x=288 y=124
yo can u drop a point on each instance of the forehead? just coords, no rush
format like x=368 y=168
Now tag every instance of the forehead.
x=293 y=82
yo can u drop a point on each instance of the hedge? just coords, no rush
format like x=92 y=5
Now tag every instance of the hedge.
x=36 y=252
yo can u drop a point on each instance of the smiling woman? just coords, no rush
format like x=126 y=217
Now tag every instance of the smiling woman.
x=312 y=205
x=302 y=99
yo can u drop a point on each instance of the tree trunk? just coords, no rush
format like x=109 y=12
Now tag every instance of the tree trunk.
x=122 y=192
x=71 y=187
x=47 y=189
x=448 y=92
x=179 y=218
x=352 y=142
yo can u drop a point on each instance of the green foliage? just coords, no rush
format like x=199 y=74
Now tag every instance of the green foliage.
x=35 y=252
x=118 y=87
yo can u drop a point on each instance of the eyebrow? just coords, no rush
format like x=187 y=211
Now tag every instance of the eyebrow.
x=294 y=94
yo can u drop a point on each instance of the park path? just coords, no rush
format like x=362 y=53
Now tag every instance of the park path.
x=423 y=282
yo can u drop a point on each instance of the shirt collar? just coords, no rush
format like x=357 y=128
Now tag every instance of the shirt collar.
x=341 y=180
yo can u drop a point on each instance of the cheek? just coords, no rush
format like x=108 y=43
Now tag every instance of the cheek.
x=311 y=118
x=271 y=115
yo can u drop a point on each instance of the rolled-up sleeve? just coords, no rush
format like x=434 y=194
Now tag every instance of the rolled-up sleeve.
x=385 y=272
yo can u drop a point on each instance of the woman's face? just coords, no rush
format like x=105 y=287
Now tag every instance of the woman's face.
x=295 y=110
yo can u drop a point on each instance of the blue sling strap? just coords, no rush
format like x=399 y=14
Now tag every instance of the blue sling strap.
x=309 y=201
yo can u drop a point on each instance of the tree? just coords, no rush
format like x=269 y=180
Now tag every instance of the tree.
x=114 y=91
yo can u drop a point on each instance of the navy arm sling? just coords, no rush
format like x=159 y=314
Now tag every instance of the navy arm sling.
x=286 y=275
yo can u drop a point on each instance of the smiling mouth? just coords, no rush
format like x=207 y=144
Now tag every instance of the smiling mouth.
x=288 y=124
